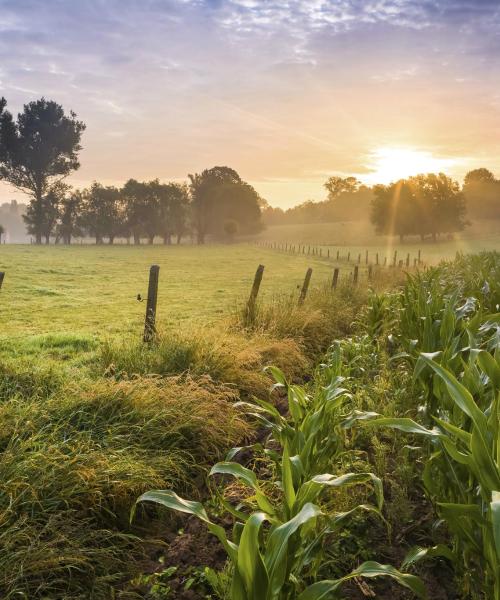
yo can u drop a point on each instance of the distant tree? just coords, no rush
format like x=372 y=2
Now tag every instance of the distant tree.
x=420 y=205
x=352 y=205
x=481 y=175
x=141 y=209
x=219 y=194
x=339 y=185
x=2 y=232
x=394 y=209
x=173 y=210
x=38 y=150
x=273 y=215
x=442 y=203
x=45 y=221
x=70 y=217
x=482 y=194
x=237 y=202
x=101 y=212
x=204 y=187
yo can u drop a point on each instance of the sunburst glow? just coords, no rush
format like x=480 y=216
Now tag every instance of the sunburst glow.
x=391 y=164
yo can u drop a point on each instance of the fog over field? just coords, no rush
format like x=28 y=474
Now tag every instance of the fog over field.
x=249 y=300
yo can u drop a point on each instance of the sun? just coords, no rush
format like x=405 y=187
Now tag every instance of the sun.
x=391 y=164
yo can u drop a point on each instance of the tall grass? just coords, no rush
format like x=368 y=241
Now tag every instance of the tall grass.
x=72 y=465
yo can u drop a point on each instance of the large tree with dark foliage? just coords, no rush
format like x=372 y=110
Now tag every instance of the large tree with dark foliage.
x=37 y=151
x=421 y=205
x=219 y=194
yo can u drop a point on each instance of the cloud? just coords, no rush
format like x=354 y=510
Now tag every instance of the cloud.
x=279 y=89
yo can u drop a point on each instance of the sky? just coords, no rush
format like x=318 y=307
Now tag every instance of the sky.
x=286 y=92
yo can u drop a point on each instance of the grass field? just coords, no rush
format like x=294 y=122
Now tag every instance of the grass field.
x=93 y=289
x=91 y=417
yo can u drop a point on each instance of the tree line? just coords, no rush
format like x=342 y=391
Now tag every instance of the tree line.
x=39 y=149
x=424 y=205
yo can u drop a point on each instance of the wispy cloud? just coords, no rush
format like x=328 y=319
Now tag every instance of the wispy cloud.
x=278 y=89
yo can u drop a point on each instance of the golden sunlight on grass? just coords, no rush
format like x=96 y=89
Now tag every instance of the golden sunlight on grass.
x=390 y=164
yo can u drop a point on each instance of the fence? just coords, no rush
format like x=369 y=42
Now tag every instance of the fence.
x=329 y=253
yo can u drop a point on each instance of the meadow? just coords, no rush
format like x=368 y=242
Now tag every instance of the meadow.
x=93 y=289
x=294 y=428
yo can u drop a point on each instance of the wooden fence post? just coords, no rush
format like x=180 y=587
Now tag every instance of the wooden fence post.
x=395 y=257
x=419 y=257
x=359 y=258
x=338 y=252
x=348 y=257
x=335 y=278
x=2 y=275
x=370 y=272
x=149 y=324
x=305 y=286
x=355 y=275
x=366 y=258
x=408 y=259
x=254 y=293
x=376 y=259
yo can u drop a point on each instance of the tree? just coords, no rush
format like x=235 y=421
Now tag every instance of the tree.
x=420 y=205
x=394 y=209
x=70 y=216
x=237 y=202
x=219 y=194
x=442 y=204
x=482 y=194
x=481 y=175
x=101 y=213
x=45 y=222
x=37 y=151
x=173 y=210
x=141 y=209
x=338 y=185
x=204 y=187
x=2 y=232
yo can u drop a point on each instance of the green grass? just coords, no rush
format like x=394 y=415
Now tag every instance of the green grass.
x=91 y=291
x=90 y=416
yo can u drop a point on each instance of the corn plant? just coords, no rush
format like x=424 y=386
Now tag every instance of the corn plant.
x=463 y=471
x=276 y=545
x=268 y=562
x=311 y=432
